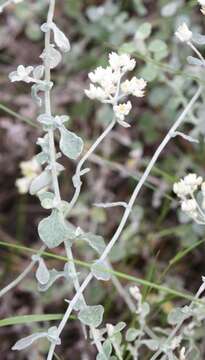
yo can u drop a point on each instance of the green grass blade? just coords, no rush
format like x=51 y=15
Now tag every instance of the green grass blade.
x=16 y=115
x=27 y=319
x=181 y=254
x=119 y=274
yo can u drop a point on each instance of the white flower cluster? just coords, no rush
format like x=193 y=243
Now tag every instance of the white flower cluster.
x=30 y=169
x=106 y=85
x=202 y=3
x=183 y=33
x=185 y=189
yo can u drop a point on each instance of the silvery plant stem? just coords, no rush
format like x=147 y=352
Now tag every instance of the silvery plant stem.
x=77 y=287
x=126 y=214
x=122 y=291
x=84 y=159
x=86 y=156
x=179 y=325
x=197 y=52
x=21 y=276
x=53 y=157
x=48 y=105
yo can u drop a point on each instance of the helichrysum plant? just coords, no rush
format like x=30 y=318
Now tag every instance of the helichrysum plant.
x=115 y=86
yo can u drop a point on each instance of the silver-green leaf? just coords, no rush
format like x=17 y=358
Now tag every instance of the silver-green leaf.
x=53 y=57
x=95 y=241
x=70 y=144
x=52 y=230
x=27 y=341
x=100 y=271
x=40 y=182
x=91 y=315
x=38 y=72
x=42 y=273
x=60 y=39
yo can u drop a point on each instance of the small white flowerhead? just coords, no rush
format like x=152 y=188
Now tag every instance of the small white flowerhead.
x=121 y=62
x=22 y=185
x=122 y=110
x=193 y=181
x=98 y=75
x=189 y=205
x=30 y=169
x=188 y=185
x=180 y=189
x=183 y=33
x=95 y=93
x=134 y=87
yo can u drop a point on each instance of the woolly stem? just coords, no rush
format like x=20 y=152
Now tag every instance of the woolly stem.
x=126 y=213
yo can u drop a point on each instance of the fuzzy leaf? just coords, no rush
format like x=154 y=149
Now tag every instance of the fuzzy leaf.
x=40 y=182
x=144 y=31
x=52 y=335
x=52 y=230
x=45 y=119
x=98 y=271
x=151 y=344
x=157 y=46
x=46 y=198
x=132 y=334
x=60 y=39
x=95 y=241
x=38 y=72
x=70 y=144
x=198 y=39
x=39 y=87
x=42 y=158
x=194 y=61
x=91 y=315
x=145 y=309
x=53 y=57
x=170 y=8
x=119 y=327
x=107 y=350
x=27 y=341
x=54 y=275
x=42 y=273
x=149 y=72
x=176 y=316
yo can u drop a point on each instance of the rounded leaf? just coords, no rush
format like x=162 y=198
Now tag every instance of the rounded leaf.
x=42 y=273
x=52 y=230
x=100 y=271
x=91 y=315
x=40 y=182
x=70 y=144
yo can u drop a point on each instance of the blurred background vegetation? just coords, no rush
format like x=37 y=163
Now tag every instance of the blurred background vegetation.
x=158 y=244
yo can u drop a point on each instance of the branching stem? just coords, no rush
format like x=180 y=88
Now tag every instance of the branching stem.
x=127 y=212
